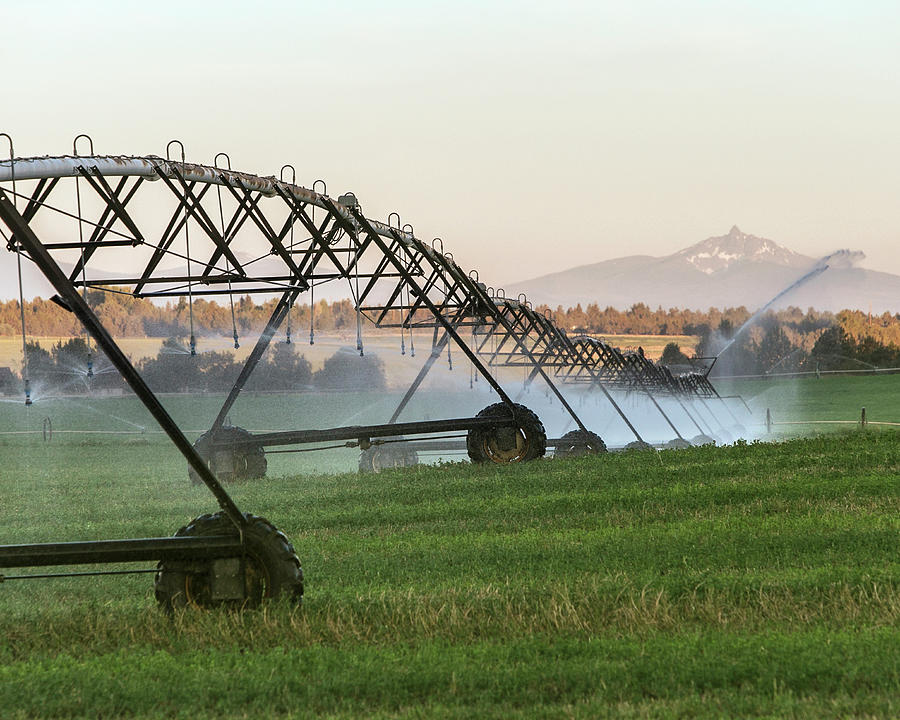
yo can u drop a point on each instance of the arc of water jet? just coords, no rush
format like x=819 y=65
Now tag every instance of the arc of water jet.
x=819 y=268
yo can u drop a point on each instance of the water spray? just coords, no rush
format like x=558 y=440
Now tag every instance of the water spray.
x=842 y=257
x=25 y=376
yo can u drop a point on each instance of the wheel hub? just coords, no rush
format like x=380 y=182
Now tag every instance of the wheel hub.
x=506 y=445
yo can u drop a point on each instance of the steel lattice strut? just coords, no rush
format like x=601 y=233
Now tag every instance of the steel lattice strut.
x=260 y=235
x=158 y=217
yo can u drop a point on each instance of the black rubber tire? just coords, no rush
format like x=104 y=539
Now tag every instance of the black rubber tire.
x=638 y=445
x=487 y=445
x=577 y=443
x=678 y=444
x=376 y=458
x=273 y=569
x=702 y=440
x=245 y=462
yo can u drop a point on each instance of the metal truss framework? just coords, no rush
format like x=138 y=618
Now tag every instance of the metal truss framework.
x=187 y=231
x=301 y=239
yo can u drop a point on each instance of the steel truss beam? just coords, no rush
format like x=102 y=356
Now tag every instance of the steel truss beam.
x=397 y=280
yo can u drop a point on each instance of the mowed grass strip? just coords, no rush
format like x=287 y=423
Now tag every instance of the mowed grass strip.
x=613 y=607
x=746 y=580
x=808 y=673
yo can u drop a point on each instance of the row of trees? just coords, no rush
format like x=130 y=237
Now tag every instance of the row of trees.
x=773 y=344
x=640 y=319
x=71 y=367
x=282 y=369
x=784 y=341
x=127 y=316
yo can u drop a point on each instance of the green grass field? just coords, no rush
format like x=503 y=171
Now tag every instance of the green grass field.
x=808 y=400
x=752 y=580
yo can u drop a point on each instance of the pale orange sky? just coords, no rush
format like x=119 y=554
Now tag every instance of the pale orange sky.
x=531 y=137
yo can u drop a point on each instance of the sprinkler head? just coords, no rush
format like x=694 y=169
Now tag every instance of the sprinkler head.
x=236 y=343
x=193 y=346
x=28 y=402
x=287 y=340
x=90 y=367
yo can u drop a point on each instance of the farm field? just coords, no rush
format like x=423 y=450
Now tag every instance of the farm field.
x=751 y=580
x=748 y=580
x=652 y=345
x=800 y=403
x=831 y=398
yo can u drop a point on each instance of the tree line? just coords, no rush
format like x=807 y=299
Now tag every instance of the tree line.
x=787 y=340
x=127 y=316
x=73 y=367
x=640 y=319
x=791 y=341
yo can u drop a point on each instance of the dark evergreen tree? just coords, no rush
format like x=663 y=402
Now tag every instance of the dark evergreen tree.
x=346 y=370
x=672 y=355
x=774 y=349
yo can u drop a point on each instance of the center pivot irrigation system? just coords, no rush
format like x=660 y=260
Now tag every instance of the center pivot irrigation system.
x=188 y=231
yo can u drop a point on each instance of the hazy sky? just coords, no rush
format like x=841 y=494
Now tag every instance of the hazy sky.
x=532 y=137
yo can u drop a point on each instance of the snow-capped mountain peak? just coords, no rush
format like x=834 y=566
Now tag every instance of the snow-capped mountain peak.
x=726 y=271
x=716 y=254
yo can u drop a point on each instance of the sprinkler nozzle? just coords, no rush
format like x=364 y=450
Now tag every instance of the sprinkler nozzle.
x=193 y=346
x=236 y=343
x=90 y=367
x=287 y=340
x=28 y=401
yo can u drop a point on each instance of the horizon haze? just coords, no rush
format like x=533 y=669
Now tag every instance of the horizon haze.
x=531 y=138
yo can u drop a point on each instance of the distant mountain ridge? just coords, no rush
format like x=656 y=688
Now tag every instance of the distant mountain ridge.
x=723 y=271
